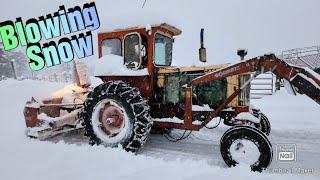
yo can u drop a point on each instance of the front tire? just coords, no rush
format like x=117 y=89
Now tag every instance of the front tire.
x=115 y=113
x=264 y=124
x=246 y=142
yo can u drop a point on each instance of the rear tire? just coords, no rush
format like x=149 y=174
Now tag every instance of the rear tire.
x=122 y=108
x=237 y=134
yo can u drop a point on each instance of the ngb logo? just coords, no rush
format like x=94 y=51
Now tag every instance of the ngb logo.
x=286 y=152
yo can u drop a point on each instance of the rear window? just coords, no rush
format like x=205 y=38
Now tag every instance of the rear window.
x=111 y=46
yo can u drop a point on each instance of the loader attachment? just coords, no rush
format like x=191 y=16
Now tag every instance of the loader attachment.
x=58 y=113
x=49 y=117
x=307 y=86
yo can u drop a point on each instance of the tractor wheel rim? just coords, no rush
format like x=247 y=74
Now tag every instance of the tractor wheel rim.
x=110 y=121
x=244 y=151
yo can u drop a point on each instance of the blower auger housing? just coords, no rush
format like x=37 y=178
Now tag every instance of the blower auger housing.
x=125 y=107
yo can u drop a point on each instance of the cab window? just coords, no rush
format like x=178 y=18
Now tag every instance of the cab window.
x=163 y=50
x=132 y=51
x=111 y=46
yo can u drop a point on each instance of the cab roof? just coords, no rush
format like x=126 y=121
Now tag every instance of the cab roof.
x=175 y=31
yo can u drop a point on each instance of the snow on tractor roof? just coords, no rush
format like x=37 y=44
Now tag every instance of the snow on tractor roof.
x=176 y=31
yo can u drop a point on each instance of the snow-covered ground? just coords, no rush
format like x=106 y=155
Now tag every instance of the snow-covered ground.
x=293 y=120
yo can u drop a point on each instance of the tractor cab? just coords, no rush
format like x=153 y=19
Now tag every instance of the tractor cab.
x=141 y=47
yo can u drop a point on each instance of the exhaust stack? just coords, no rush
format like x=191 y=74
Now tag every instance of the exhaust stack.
x=202 y=49
x=242 y=53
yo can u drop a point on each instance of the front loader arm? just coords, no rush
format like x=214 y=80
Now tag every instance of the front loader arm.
x=302 y=79
x=262 y=63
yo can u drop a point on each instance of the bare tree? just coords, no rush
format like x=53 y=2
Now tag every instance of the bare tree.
x=144 y=3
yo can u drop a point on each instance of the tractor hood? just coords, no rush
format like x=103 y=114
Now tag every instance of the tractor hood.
x=191 y=69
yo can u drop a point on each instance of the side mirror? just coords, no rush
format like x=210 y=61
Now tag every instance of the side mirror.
x=202 y=49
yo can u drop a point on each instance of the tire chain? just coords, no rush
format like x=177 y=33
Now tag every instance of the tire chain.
x=140 y=107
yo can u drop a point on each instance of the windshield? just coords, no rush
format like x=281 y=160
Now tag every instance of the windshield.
x=163 y=50
x=132 y=50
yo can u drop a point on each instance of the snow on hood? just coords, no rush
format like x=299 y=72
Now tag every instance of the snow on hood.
x=113 y=65
x=70 y=89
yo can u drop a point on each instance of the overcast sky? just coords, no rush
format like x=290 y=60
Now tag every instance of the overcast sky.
x=261 y=26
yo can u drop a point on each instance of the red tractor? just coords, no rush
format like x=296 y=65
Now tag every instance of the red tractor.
x=150 y=93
